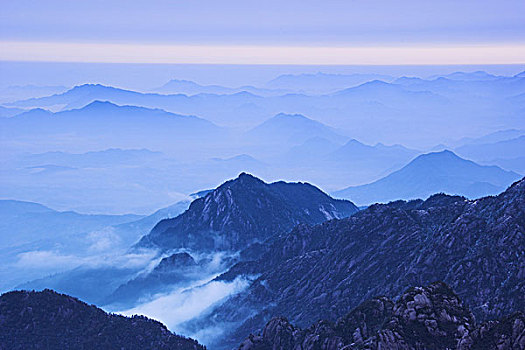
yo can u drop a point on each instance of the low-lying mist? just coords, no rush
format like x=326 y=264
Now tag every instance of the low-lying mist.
x=185 y=304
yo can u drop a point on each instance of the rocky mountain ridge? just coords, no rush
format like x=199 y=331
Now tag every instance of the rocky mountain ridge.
x=244 y=211
x=432 y=317
x=475 y=246
x=48 y=320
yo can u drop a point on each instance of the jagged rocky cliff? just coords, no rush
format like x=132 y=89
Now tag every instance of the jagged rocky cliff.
x=422 y=318
x=319 y=272
x=244 y=211
x=48 y=320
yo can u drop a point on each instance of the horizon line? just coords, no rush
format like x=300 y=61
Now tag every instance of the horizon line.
x=61 y=52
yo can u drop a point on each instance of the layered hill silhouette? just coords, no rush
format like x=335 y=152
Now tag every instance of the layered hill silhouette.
x=33 y=221
x=432 y=173
x=392 y=111
x=244 y=211
x=285 y=129
x=103 y=124
x=48 y=320
x=319 y=272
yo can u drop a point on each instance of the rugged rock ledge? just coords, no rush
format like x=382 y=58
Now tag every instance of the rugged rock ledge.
x=422 y=318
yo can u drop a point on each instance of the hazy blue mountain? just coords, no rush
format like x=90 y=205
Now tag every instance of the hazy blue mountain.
x=354 y=152
x=133 y=230
x=90 y=283
x=94 y=263
x=390 y=94
x=322 y=82
x=78 y=96
x=477 y=75
x=432 y=173
x=516 y=164
x=374 y=111
x=470 y=90
x=19 y=92
x=187 y=87
x=108 y=157
x=33 y=231
x=113 y=180
x=218 y=107
x=292 y=129
x=312 y=149
x=237 y=164
x=6 y=112
x=105 y=125
x=244 y=211
x=511 y=148
x=25 y=222
x=501 y=135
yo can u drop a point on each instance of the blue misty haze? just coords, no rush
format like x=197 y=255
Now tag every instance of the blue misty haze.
x=245 y=160
x=146 y=77
x=272 y=22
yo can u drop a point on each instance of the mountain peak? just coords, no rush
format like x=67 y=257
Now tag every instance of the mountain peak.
x=100 y=104
x=88 y=86
x=244 y=211
x=430 y=173
x=246 y=177
x=440 y=154
x=295 y=116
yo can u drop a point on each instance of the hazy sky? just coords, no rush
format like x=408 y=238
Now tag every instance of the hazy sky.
x=241 y=31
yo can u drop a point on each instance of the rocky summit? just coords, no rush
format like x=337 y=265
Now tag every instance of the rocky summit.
x=319 y=272
x=245 y=211
x=432 y=317
x=49 y=320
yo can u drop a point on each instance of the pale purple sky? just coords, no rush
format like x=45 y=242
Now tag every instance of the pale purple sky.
x=156 y=31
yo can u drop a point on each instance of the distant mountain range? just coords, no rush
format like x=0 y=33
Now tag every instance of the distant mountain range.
x=31 y=229
x=187 y=87
x=292 y=129
x=6 y=112
x=18 y=92
x=467 y=76
x=508 y=148
x=389 y=110
x=106 y=125
x=323 y=271
x=432 y=173
x=25 y=222
x=320 y=83
x=431 y=317
x=355 y=153
x=494 y=137
x=245 y=211
x=48 y=320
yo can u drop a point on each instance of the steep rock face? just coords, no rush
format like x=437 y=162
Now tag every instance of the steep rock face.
x=48 y=320
x=244 y=211
x=422 y=318
x=505 y=334
x=425 y=318
x=476 y=246
x=175 y=262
